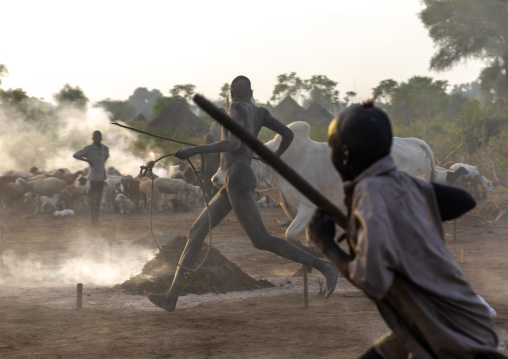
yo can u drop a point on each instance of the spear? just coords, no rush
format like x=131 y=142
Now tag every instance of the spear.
x=271 y=159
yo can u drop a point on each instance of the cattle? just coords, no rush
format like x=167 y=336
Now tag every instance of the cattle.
x=449 y=177
x=472 y=180
x=312 y=161
x=125 y=205
x=49 y=202
x=48 y=186
x=183 y=191
x=131 y=190
x=145 y=188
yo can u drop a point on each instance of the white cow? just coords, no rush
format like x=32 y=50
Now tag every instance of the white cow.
x=472 y=179
x=312 y=161
x=449 y=177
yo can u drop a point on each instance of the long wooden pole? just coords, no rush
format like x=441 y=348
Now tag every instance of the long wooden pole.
x=270 y=158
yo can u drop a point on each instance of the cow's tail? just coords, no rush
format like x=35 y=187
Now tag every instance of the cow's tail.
x=430 y=154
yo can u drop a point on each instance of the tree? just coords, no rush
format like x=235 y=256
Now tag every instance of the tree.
x=121 y=110
x=143 y=100
x=183 y=91
x=467 y=29
x=288 y=85
x=322 y=90
x=3 y=72
x=384 y=91
x=176 y=95
x=13 y=97
x=420 y=98
x=349 y=96
x=71 y=96
x=224 y=94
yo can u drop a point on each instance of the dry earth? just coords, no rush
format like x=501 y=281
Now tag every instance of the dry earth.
x=43 y=258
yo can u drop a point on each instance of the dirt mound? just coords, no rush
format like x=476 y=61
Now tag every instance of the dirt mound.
x=217 y=274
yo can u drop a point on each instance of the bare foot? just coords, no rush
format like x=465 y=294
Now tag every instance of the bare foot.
x=331 y=275
x=161 y=301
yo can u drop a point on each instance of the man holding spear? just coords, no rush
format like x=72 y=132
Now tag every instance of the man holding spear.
x=237 y=194
x=397 y=254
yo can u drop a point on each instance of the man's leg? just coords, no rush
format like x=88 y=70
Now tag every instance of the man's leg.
x=247 y=212
x=96 y=188
x=92 y=200
x=219 y=207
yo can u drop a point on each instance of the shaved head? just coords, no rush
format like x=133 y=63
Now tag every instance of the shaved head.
x=241 y=89
x=359 y=136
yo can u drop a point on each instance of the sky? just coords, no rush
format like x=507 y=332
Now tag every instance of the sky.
x=109 y=48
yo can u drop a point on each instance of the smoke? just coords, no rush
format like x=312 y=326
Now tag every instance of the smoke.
x=48 y=141
x=96 y=261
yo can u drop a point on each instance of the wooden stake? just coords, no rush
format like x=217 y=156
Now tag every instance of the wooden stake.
x=454 y=229
x=80 y=296
x=462 y=255
x=305 y=286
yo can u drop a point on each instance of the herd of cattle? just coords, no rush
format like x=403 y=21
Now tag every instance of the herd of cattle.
x=62 y=192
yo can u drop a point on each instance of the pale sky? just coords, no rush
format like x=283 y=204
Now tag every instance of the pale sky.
x=110 y=47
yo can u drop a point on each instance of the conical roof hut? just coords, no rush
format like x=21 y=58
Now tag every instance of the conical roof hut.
x=178 y=115
x=317 y=115
x=288 y=110
x=140 y=118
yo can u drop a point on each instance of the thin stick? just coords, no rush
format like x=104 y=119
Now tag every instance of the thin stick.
x=285 y=171
x=153 y=135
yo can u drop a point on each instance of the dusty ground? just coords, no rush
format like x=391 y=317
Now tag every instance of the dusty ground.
x=43 y=258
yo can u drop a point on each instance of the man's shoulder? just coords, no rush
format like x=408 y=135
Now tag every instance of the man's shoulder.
x=392 y=185
x=87 y=147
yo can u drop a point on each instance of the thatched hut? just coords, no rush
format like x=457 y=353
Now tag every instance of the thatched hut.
x=140 y=118
x=288 y=110
x=317 y=115
x=177 y=115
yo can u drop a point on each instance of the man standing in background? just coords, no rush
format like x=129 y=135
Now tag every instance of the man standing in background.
x=96 y=155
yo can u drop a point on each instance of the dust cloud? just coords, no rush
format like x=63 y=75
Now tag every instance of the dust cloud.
x=49 y=142
x=95 y=261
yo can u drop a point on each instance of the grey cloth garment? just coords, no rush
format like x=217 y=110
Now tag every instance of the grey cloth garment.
x=401 y=262
x=97 y=157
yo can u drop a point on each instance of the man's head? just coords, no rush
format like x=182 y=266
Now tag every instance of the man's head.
x=241 y=89
x=97 y=136
x=359 y=136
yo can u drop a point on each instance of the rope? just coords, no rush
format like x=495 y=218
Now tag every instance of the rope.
x=149 y=168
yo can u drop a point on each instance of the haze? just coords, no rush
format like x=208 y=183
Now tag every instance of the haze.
x=109 y=48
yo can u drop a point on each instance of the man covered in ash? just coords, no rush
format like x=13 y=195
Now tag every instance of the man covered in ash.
x=237 y=195
x=398 y=257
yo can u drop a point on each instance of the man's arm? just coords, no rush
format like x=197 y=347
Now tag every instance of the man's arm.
x=231 y=143
x=322 y=233
x=278 y=127
x=81 y=155
x=452 y=202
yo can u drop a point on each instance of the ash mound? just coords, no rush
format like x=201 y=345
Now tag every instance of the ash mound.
x=217 y=274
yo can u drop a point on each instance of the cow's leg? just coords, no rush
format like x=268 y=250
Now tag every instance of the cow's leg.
x=249 y=216
x=299 y=224
x=301 y=221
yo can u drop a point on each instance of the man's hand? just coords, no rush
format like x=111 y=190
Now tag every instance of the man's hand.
x=322 y=230
x=185 y=153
